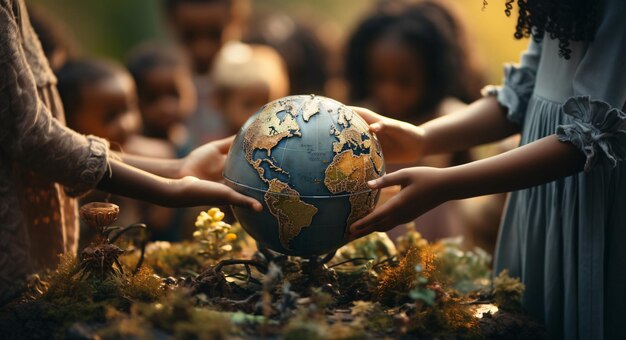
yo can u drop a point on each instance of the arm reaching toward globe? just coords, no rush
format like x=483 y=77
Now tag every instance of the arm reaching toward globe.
x=205 y=162
x=177 y=182
x=425 y=188
x=125 y=180
x=482 y=122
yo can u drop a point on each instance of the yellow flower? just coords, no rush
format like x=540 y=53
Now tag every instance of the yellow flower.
x=220 y=226
x=216 y=214
x=211 y=219
x=197 y=234
x=230 y=237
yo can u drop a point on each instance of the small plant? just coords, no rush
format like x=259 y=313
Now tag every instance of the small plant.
x=407 y=280
x=214 y=234
x=465 y=271
x=507 y=292
x=101 y=258
x=411 y=239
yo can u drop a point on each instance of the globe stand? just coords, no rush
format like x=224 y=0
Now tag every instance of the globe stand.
x=272 y=256
x=307 y=272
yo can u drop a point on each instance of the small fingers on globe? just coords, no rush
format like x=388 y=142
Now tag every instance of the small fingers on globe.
x=388 y=180
x=368 y=115
x=376 y=127
x=367 y=225
x=361 y=227
x=240 y=200
x=383 y=218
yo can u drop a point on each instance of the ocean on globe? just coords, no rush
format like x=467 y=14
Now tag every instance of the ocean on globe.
x=307 y=159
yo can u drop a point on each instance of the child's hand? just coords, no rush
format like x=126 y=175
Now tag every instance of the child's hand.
x=126 y=180
x=401 y=142
x=191 y=191
x=423 y=189
x=207 y=161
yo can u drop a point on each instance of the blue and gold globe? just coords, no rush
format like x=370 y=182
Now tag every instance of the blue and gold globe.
x=307 y=159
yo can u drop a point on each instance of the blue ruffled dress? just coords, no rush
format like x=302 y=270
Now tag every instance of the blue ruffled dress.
x=566 y=240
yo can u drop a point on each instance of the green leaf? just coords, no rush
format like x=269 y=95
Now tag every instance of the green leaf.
x=425 y=295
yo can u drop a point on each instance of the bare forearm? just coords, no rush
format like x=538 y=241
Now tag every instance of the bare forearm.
x=126 y=180
x=482 y=122
x=169 y=168
x=205 y=162
x=536 y=163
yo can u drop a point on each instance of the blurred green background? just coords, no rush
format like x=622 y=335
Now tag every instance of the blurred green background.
x=110 y=28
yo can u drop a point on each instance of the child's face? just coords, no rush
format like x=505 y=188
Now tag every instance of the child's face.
x=239 y=104
x=396 y=77
x=200 y=28
x=166 y=98
x=108 y=109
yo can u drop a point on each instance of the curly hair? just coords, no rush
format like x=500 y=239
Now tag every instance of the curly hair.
x=429 y=29
x=565 y=20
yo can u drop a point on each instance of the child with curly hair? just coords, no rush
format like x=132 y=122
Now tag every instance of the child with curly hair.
x=563 y=231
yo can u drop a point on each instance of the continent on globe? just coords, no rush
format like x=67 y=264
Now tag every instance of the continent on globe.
x=284 y=203
x=350 y=172
x=292 y=213
x=308 y=158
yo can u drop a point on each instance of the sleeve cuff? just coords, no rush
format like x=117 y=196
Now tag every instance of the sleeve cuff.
x=597 y=129
x=96 y=164
x=515 y=93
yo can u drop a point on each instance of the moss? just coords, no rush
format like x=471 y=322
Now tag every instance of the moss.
x=303 y=327
x=371 y=316
x=395 y=282
x=130 y=327
x=344 y=331
x=297 y=330
x=448 y=317
x=70 y=299
x=412 y=239
x=375 y=246
x=170 y=259
x=410 y=296
x=144 y=286
x=465 y=271
x=507 y=292
x=204 y=324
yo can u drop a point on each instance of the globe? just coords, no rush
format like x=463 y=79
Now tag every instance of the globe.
x=307 y=159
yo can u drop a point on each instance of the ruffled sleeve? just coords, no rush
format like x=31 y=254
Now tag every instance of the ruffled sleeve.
x=518 y=85
x=29 y=134
x=597 y=123
x=597 y=129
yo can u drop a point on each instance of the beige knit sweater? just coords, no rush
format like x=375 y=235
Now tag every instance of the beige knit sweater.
x=41 y=161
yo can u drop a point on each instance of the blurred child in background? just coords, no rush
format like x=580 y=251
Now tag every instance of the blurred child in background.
x=201 y=27
x=298 y=44
x=166 y=97
x=247 y=77
x=99 y=98
x=410 y=61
